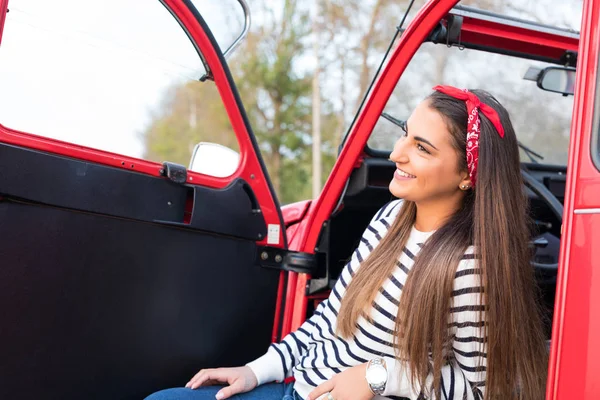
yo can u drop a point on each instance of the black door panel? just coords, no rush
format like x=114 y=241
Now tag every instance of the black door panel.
x=98 y=307
x=81 y=185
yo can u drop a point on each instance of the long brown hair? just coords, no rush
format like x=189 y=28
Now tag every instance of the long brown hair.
x=493 y=219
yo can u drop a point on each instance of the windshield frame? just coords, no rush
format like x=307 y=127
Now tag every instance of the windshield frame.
x=534 y=41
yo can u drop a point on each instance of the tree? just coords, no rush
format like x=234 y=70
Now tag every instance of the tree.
x=276 y=94
x=189 y=114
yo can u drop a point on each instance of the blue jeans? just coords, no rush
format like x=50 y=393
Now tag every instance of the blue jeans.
x=269 y=391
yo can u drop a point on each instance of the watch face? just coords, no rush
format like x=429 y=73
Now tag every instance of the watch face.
x=376 y=375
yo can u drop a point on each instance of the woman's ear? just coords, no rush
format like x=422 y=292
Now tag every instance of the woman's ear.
x=465 y=183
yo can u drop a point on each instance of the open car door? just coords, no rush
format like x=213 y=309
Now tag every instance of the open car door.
x=121 y=276
x=574 y=362
x=3 y=8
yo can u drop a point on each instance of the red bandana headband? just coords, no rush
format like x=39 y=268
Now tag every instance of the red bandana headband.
x=473 y=123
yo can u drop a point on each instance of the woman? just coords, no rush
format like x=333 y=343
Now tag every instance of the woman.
x=441 y=306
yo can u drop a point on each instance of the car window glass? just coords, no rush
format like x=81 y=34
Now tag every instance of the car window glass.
x=225 y=18
x=596 y=136
x=541 y=119
x=104 y=75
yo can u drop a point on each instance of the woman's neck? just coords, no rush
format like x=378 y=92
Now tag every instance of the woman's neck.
x=431 y=216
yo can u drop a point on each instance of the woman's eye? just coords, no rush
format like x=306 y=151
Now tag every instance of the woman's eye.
x=421 y=148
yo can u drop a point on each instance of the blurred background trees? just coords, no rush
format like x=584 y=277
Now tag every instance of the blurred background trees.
x=342 y=42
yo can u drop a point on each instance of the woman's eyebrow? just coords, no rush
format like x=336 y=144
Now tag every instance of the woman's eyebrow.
x=420 y=139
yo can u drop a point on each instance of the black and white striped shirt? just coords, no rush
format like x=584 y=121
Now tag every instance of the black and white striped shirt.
x=314 y=354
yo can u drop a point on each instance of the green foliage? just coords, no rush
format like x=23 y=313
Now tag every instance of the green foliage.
x=190 y=113
x=277 y=98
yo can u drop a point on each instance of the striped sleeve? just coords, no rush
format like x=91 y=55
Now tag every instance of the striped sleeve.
x=464 y=376
x=277 y=363
x=281 y=358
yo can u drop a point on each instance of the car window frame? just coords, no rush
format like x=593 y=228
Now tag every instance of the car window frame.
x=595 y=138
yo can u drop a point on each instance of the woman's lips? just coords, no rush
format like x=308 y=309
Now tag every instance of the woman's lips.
x=402 y=175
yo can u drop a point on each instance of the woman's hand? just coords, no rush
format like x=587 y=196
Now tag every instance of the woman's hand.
x=240 y=380
x=350 y=384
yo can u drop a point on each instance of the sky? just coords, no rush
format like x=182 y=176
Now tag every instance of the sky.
x=93 y=72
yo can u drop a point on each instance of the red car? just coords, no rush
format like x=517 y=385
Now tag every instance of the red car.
x=120 y=276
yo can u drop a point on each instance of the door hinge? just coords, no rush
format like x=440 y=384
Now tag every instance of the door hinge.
x=286 y=260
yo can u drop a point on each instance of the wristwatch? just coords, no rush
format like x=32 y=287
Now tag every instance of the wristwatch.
x=376 y=375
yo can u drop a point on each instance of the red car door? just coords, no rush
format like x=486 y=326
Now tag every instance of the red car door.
x=575 y=353
x=121 y=276
x=3 y=8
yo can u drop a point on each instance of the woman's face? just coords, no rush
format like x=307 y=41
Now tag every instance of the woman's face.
x=426 y=161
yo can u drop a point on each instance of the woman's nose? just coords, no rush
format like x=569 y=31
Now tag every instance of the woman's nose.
x=399 y=152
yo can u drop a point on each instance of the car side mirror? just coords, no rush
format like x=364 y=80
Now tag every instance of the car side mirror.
x=214 y=159
x=553 y=79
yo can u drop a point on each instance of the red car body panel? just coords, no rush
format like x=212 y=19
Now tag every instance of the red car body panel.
x=574 y=370
x=514 y=39
x=3 y=8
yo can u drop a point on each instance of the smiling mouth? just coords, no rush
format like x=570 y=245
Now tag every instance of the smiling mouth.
x=404 y=174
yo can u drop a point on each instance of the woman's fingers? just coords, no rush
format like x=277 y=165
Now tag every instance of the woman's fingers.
x=221 y=375
x=211 y=382
x=320 y=390
x=187 y=385
x=240 y=380
x=228 y=391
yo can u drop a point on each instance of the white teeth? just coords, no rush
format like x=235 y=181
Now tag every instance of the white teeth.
x=402 y=173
